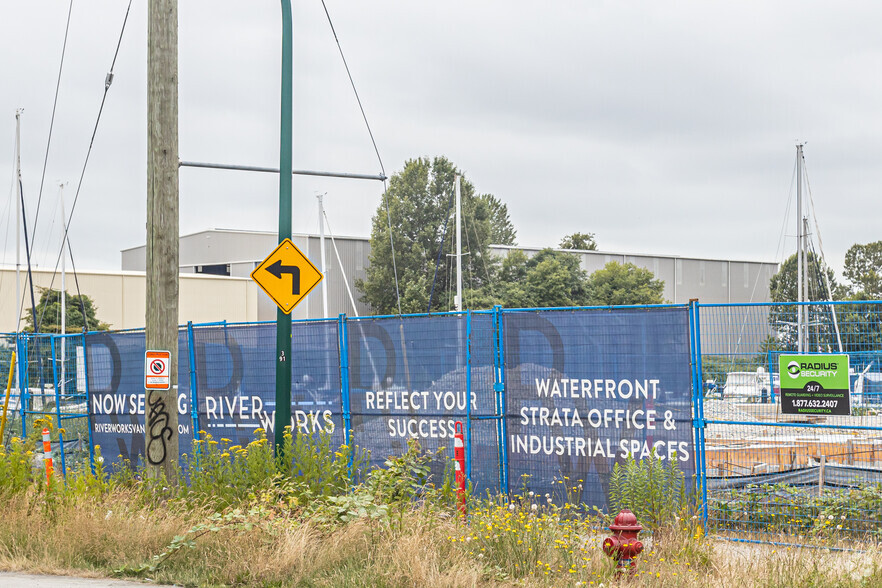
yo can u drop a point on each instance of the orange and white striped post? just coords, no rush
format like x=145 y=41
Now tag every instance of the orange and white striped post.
x=459 y=466
x=47 y=454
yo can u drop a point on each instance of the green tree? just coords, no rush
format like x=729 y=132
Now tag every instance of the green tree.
x=863 y=270
x=556 y=279
x=49 y=313
x=582 y=241
x=549 y=278
x=419 y=200
x=509 y=288
x=618 y=284
x=502 y=231
x=783 y=287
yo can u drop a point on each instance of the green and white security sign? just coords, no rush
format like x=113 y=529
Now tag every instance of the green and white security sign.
x=814 y=384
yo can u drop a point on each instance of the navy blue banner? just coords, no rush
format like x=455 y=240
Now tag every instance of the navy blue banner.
x=583 y=390
x=115 y=371
x=236 y=372
x=414 y=378
x=586 y=389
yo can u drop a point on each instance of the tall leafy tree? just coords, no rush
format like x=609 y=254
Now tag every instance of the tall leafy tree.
x=862 y=322
x=582 y=241
x=420 y=212
x=556 y=279
x=502 y=231
x=783 y=288
x=49 y=313
x=548 y=278
x=618 y=283
x=863 y=270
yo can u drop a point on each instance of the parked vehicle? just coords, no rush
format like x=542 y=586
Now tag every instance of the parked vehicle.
x=757 y=386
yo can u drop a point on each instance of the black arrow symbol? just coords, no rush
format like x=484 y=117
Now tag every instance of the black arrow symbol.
x=277 y=269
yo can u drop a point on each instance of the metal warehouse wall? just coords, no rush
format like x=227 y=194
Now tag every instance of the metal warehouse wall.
x=120 y=297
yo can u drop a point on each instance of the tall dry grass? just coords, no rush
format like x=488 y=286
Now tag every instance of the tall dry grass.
x=393 y=530
x=96 y=536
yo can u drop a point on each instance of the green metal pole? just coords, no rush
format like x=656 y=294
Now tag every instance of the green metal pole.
x=283 y=320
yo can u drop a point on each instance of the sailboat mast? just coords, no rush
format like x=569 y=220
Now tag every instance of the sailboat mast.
x=321 y=207
x=18 y=212
x=800 y=252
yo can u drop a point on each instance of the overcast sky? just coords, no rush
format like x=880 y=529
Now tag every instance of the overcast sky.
x=663 y=127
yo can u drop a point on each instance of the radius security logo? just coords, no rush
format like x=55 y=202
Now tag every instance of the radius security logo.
x=814 y=384
x=811 y=367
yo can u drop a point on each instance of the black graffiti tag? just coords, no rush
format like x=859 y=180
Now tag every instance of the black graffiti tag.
x=158 y=431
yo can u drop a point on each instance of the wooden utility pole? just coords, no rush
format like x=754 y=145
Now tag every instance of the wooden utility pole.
x=161 y=409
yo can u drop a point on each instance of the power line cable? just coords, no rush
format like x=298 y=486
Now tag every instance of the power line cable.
x=392 y=245
x=440 y=250
x=779 y=251
x=28 y=254
x=51 y=124
x=108 y=80
x=823 y=262
x=354 y=90
x=79 y=293
x=483 y=257
x=376 y=150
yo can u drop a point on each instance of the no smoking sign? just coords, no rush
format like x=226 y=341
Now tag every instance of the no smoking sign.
x=156 y=370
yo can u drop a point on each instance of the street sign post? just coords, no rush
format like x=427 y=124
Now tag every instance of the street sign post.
x=287 y=276
x=282 y=416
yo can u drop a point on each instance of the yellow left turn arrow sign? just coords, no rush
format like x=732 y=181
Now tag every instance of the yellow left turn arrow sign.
x=286 y=276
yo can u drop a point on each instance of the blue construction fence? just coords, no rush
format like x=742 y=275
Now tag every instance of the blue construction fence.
x=545 y=395
x=773 y=476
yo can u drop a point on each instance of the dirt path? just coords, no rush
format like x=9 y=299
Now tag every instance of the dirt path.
x=17 y=580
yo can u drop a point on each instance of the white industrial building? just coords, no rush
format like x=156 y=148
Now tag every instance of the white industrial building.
x=233 y=253
x=711 y=281
x=216 y=265
x=236 y=253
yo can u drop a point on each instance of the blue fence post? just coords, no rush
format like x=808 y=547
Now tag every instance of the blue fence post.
x=468 y=431
x=22 y=344
x=499 y=389
x=696 y=391
x=343 y=344
x=57 y=404
x=194 y=389
x=88 y=403
x=700 y=422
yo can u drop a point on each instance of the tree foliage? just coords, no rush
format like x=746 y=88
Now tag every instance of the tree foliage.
x=555 y=278
x=863 y=270
x=49 y=313
x=783 y=287
x=548 y=278
x=618 y=284
x=420 y=202
x=582 y=241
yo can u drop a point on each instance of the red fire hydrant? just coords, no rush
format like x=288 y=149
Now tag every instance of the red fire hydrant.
x=623 y=544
